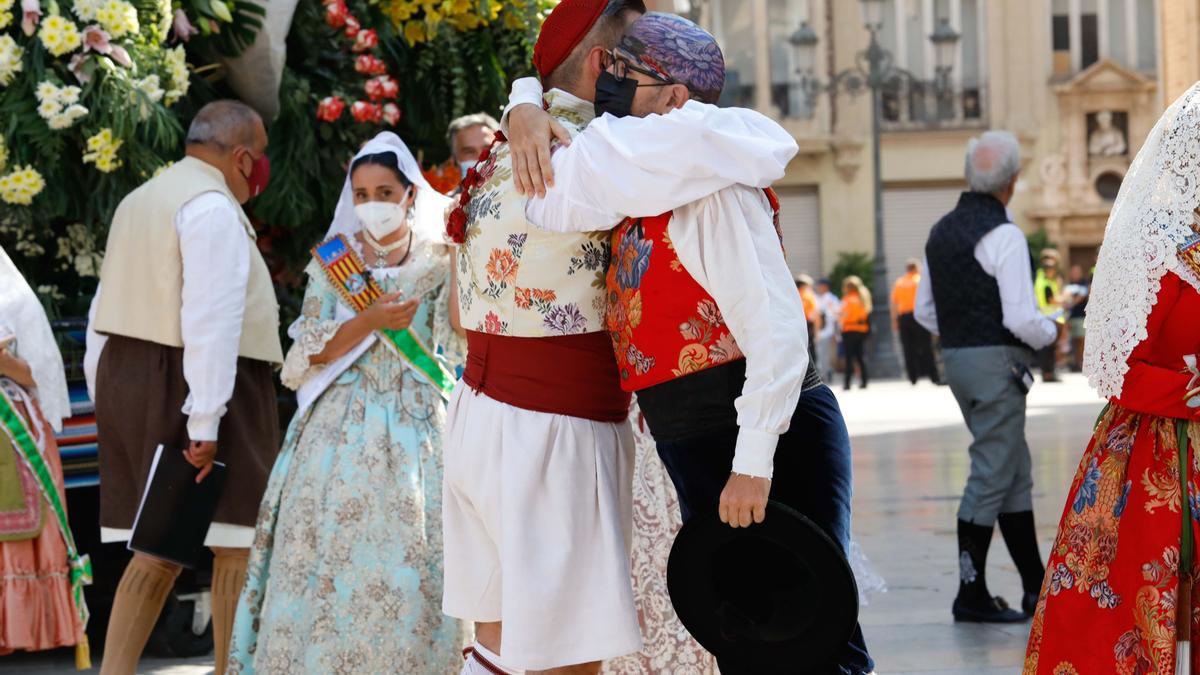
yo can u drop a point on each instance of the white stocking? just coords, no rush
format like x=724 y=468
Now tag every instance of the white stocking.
x=483 y=661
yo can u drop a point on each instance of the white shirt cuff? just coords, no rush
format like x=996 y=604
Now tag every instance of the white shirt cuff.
x=755 y=453
x=203 y=427
x=524 y=90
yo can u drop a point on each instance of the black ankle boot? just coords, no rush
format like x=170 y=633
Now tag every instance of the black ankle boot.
x=1020 y=536
x=974 y=603
x=1029 y=603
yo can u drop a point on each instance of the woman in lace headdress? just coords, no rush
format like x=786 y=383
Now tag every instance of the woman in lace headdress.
x=1118 y=594
x=345 y=575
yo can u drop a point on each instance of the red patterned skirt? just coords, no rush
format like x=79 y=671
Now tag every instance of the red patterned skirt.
x=1108 y=603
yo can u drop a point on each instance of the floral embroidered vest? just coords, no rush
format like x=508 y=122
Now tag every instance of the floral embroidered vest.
x=516 y=279
x=663 y=324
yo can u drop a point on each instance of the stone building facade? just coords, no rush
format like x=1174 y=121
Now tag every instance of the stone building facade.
x=1080 y=82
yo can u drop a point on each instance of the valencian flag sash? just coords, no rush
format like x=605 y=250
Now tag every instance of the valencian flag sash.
x=349 y=276
x=15 y=428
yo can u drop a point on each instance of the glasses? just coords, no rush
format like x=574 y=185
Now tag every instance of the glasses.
x=621 y=64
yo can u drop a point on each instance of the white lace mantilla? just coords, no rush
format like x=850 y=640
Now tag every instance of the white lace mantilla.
x=1152 y=216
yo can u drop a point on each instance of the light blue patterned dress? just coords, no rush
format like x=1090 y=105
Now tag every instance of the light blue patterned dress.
x=346 y=571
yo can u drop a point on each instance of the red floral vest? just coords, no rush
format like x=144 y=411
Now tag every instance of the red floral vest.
x=663 y=324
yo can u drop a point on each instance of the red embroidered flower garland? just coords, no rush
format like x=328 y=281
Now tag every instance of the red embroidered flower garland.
x=456 y=226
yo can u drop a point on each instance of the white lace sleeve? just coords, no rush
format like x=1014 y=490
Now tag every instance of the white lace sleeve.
x=315 y=327
x=453 y=346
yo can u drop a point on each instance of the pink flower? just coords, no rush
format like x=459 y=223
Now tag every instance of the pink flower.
x=330 y=108
x=391 y=114
x=121 y=56
x=352 y=27
x=365 y=40
x=96 y=39
x=78 y=67
x=31 y=12
x=184 y=30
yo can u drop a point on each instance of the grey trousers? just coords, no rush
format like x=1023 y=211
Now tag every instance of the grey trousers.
x=1001 y=478
x=826 y=357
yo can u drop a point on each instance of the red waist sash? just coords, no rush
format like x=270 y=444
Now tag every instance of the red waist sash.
x=573 y=375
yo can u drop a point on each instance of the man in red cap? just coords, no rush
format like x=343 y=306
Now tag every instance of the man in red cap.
x=701 y=310
x=538 y=453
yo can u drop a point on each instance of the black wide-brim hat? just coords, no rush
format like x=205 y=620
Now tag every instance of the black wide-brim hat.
x=776 y=597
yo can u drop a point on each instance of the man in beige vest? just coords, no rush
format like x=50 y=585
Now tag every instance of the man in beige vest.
x=182 y=345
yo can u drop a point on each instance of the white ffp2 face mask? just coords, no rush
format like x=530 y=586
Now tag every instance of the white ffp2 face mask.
x=381 y=218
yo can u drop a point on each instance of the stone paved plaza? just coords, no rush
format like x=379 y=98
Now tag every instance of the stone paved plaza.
x=910 y=465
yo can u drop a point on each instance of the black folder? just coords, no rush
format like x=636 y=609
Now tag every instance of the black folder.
x=176 y=511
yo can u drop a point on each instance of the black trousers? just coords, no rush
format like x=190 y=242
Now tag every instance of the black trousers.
x=812 y=475
x=918 y=349
x=856 y=345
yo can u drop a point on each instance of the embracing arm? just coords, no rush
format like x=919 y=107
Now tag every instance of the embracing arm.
x=637 y=167
x=530 y=131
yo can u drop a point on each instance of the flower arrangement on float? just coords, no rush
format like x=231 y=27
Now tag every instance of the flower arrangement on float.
x=410 y=66
x=90 y=106
x=95 y=96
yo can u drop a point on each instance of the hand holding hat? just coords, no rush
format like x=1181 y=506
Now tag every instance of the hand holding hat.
x=776 y=597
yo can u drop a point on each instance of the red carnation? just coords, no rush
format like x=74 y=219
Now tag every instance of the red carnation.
x=391 y=114
x=352 y=27
x=366 y=40
x=374 y=88
x=330 y=108
x=336 y=13
x=382 y=87
x=456 y=227
x=370 y=65
x=366 y=112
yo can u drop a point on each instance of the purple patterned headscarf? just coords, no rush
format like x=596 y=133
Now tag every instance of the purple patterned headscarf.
x=678 y=50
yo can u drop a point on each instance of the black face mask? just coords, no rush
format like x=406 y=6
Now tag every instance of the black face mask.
x=613 y=97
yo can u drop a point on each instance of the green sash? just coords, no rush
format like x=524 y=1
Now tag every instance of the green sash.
x=350 y=278
x=17 y=431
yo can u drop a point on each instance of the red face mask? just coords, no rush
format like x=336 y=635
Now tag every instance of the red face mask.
x=260 y=175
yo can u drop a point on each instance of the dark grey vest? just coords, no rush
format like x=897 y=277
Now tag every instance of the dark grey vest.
x=967 y=298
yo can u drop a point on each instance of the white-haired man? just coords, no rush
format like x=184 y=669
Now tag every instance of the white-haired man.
x=978 y=296
x=470 y=135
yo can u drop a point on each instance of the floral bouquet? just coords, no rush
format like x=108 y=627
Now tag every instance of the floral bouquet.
x=90 y=94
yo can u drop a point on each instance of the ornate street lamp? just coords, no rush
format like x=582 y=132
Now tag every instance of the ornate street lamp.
x=874 y=71
x=945 y=42
x=872 y=14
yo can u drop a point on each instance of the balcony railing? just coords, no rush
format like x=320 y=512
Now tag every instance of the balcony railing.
x=917 y=106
